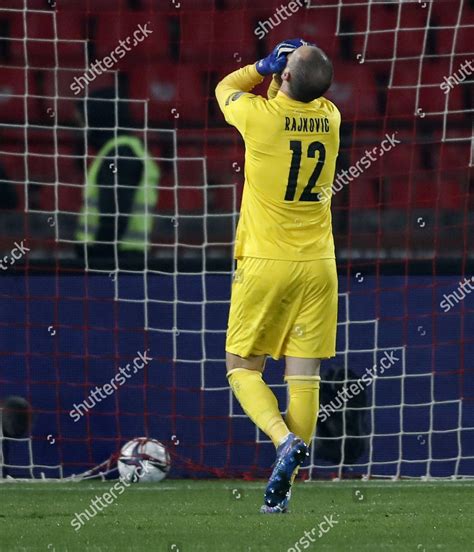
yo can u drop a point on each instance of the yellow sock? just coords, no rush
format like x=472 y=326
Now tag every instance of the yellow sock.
x=258 y=402
x=303 y=407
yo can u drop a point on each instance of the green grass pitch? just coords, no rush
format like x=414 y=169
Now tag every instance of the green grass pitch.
x=188 y=516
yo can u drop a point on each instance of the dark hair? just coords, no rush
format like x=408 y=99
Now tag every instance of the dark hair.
x=311 y=76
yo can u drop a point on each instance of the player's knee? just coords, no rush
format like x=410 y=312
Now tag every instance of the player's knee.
x=302 y=366
x=249 y=363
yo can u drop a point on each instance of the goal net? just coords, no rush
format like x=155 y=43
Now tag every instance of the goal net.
x=114 y=294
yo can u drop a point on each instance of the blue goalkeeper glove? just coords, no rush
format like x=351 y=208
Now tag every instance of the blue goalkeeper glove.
x=276 y=61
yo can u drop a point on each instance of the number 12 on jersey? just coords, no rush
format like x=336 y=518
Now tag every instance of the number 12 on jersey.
x=308 y=194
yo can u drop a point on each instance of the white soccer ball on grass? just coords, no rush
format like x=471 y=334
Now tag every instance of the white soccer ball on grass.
x=144 y=460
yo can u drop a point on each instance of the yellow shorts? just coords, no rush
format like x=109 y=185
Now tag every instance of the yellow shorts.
x=283 y=308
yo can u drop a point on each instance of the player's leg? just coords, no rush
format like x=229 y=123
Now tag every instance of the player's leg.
x=315 y=340
x=255 y=397
x=302 y=378
x=313 y=337
x=251 y=333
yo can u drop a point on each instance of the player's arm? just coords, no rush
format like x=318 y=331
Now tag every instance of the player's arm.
x=232 y=92
x=231 y=88
x=274 y=87
x=242 y=80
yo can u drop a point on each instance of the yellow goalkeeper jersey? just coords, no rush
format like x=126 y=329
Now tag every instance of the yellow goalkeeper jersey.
x=290 y=157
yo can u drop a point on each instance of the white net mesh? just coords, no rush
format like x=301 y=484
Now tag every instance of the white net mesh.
x=411 y=426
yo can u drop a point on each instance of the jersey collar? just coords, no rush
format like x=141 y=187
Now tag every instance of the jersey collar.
x=282 y=97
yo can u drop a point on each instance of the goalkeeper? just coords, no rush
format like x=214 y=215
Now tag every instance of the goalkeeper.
x=284 y=294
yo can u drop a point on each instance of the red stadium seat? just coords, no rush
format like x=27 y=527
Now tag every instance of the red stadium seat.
x=225 y=163
x=226 y=198
x=166 y=200
x=354 y=91
x=318 y=26
x=380 y=47
x=405 y=72
x=453 y=155
x=233 y=35
x=413 y=15
x=167 y=182
x=408 y=36
x=60 y=177
x=210 y=37
x=109 y=33
x=174 y=6
x=371 y=17
x=176 y=93
x=187 y=187
x=41 y=165
x=225 y=174
x=166 y=166
x=401 y=96
x=191 y=200
x=191 y=171
x=464 y=40
x=410 y=42
x=93 y=6
x=380 y=40
x=44 y=168
x=54 y=42
x=66 y=195
x=424 y=192
x=402 y=101
x=13 y=161
x=433 y=71
x=363 y=193
x=452 y=160
x=12 y=90
x=402 y=160
x=432 y=97
x=57 y=85
x=399 y=193
x=356 y=153
x=15 y=5
x=445 y=41
x=196 y=32
x=452 y=197
x=446 y=13
x=181 y=199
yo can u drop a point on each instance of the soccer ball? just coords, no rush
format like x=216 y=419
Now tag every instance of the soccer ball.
x=144 y=460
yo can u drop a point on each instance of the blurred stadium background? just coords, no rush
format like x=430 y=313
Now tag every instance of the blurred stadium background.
x=404 y=235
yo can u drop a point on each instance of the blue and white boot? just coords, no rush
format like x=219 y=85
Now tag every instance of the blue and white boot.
x=290 y=455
